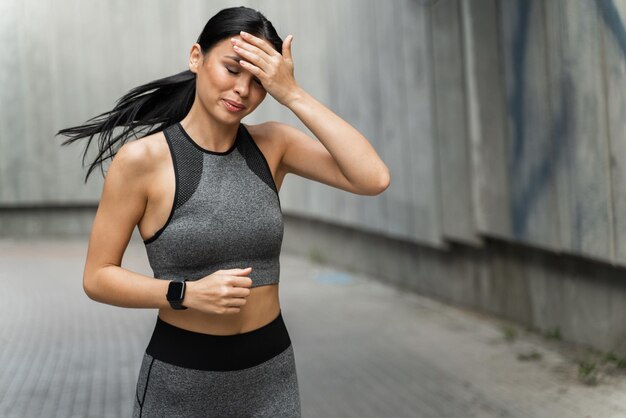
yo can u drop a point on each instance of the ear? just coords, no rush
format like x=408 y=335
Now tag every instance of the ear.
x=195 y=58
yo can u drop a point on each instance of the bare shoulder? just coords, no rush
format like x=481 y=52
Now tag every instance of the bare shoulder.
x=266 y=131
x=274 y=128
x=135 y=167
x=142 y=156
x=269 y=137
x=274 y=135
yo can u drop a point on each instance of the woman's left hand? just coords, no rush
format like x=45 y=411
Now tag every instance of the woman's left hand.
x=275 y=71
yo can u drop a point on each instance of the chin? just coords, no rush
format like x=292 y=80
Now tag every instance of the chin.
x=232 y=119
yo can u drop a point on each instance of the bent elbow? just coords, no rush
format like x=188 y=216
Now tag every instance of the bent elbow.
x=89 y=286
x=383 y=184
x=386 y=181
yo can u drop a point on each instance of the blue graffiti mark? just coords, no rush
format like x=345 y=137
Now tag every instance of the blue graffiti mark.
x=540 y=176
x=519 y=215
x=611 y=17
x=517 y=100
x=530 y=187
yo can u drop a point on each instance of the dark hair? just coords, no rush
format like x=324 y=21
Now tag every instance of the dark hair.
x=165 y=101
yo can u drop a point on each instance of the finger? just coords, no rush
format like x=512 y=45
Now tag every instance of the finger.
x=251 y=53
x=251 y=67
x=237 y=281
x=258 y=42
x=236 y=271
x=243 y=45
x=235 y=302
x=239 y=292
x=287 y=47
x=232 y=310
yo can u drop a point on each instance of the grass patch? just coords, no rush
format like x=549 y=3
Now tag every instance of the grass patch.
x=554 y=334
x=530 y=356
x=620 y=362
x=509 y=333
x=587 y=372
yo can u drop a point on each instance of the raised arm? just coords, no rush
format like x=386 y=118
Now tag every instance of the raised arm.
x=342 y=157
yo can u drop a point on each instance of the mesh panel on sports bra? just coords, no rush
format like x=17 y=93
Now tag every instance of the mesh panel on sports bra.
x=187 y=165
x=256 y=161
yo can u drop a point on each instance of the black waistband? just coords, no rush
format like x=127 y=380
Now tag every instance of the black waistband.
x=196 y=350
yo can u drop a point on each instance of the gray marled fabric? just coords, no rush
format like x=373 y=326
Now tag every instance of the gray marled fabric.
x=226 y=213
x=269 y=389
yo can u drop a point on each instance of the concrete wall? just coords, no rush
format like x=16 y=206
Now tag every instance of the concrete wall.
x=575 y=298
x=64 y=62
x=501 y=121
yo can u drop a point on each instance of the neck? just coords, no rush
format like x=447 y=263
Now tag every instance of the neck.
x=208 y=132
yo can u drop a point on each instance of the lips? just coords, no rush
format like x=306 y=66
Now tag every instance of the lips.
x=235 y=104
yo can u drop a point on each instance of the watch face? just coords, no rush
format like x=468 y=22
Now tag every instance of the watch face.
x=175 y=290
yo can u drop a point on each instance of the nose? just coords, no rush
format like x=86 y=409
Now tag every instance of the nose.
x=242 y=86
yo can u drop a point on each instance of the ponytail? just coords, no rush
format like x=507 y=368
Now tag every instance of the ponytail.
x=161 y=102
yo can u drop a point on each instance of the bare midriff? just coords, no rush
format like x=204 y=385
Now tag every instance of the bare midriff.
x=262 y=306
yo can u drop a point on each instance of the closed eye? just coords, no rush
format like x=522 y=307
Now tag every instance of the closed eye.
x=237 y=72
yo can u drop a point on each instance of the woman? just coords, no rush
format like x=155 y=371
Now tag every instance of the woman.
x=202 y=189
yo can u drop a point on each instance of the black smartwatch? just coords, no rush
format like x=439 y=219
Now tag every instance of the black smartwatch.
x=176 y=294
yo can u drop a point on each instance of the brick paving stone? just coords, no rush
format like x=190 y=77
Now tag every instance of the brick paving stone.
x=363 y=349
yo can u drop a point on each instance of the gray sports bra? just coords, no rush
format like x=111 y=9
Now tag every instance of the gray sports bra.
x=226 y=213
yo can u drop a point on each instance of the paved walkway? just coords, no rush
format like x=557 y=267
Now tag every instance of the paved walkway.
x=362 y=349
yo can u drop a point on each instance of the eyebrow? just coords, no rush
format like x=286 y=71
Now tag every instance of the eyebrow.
x=233 y=58
x=239 y=59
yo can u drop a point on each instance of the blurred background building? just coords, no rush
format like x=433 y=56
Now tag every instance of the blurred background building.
x=502 y=122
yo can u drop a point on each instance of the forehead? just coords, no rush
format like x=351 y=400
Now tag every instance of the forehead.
x=224 y=49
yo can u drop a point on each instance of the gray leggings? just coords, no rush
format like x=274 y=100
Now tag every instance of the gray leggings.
x=189 y=374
